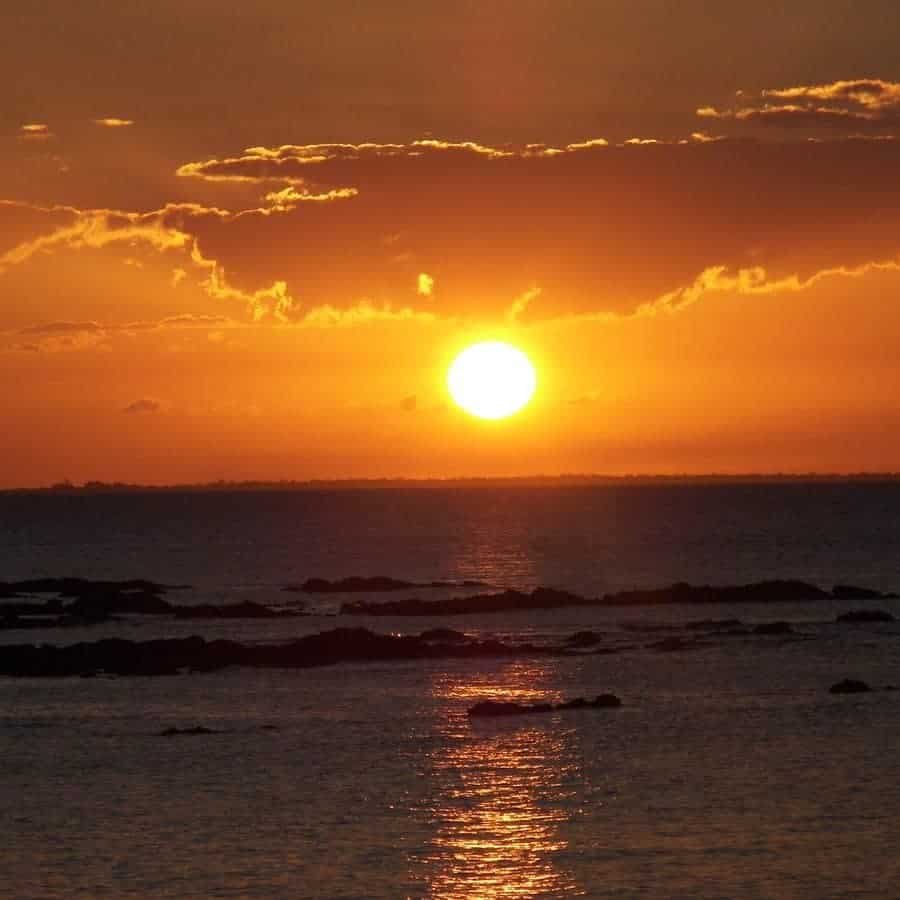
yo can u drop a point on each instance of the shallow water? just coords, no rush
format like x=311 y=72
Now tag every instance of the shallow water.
x=729 y=771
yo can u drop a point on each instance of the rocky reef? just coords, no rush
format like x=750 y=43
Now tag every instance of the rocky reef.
x=171 y=656
x=79 y=601
x=551 y=598
x=866 y=615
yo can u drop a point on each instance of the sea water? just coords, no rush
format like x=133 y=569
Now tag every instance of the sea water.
x=729 y=771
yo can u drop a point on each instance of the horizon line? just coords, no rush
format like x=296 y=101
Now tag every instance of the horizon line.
x=573 y=479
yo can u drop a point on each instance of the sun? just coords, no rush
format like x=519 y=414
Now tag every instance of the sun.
x=491 y=380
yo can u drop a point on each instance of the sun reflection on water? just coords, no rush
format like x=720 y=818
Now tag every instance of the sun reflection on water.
x=502 y=791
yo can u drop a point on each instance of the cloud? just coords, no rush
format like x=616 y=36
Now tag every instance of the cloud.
x=717 y=279
x=603 y=230
x=64 y=335
x=363 y=312
x=287 y=198
x=113 y=122
x=424 y=284
x=521 y=303
x=293 y=164
x=160 y=231
x=35 y=131
x=53 y=328
x=852 y=106
x=141 y=407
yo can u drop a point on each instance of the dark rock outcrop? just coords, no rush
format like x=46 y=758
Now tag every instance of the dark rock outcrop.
x=851 y=592
x=866 y=615
x=551 y=598
x=180 y=732
x=88 y=601
x=173 y=655
x=83 y=587
x=499 y=709
x=850 y=686
x=507 y=601
x=757 y=592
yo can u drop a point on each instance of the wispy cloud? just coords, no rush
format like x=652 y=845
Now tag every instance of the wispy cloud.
x=851 y=105
x=113 y=122
x=142 y=407
x=424 y=284
x=35 y=131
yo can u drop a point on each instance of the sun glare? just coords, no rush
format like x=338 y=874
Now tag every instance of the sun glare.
x=491 y=380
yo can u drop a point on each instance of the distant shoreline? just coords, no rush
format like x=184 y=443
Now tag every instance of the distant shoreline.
x=537 y=481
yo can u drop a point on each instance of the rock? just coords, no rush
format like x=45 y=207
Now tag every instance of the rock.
x=757 y=592
x=851 y=592
x=507 y=601
x=606 y=701
x=577 y=703
x=194 y=654
x=178 y=732
x=849 y=686
x=83 y=587
x=551 y=598
x=866 y=615
x=495 y=708
x=774 y=628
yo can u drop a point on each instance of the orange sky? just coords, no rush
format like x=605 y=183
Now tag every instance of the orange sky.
x=246 y=245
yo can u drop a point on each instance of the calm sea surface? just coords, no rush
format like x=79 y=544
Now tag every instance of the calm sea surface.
x=730 y=771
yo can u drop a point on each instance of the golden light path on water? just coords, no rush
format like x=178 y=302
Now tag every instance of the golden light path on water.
x=503 y=789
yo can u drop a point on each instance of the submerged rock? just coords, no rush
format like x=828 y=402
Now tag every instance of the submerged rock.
x=849 y=686
x=502 y=708
x=866 y=615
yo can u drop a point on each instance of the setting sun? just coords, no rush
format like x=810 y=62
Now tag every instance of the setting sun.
x=491 y=380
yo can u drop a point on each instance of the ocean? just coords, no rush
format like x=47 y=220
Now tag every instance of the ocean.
x=729 y=770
